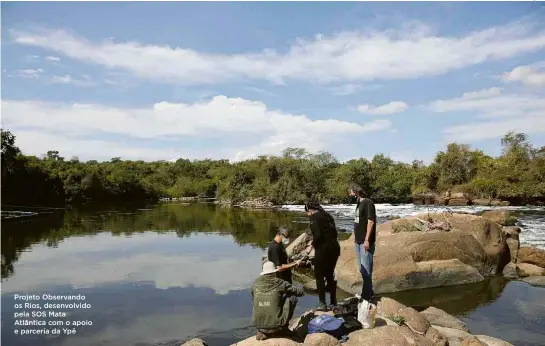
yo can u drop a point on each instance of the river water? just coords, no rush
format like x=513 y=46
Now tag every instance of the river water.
x=162 y=274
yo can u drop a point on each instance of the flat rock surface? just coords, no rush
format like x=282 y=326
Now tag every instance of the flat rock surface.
x=439 y=317
x=538 y=281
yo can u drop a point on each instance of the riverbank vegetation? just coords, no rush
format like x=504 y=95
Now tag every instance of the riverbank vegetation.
x=517 y=176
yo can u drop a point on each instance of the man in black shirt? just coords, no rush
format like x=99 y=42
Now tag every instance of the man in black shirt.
x=365 y=225
x=278 y=255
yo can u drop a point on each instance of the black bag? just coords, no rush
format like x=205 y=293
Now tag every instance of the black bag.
x=348 y=307
x=351 y=324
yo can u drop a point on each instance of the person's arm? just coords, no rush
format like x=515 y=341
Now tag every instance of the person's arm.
x=369 y=214
x=287 y=266
x=317 y=233
x=292 y=290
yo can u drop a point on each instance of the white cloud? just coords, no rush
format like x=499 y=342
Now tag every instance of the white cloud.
x=491 y=103
x=509 y=112
x=220 y=117
x=68 y=79
x=28 y=73
x=347 y=56
x=528 y=75
x=53 y=58
x=389 y=108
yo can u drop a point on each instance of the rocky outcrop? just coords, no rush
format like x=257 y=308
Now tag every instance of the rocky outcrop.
x=464 y=249
x=458 y=202
x=531 y=255
x=500 y=216
x=414 y=329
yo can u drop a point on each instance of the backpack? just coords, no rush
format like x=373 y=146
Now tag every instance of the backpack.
x=326 y=324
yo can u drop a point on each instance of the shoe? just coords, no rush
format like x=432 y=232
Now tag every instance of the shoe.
x=260 y=336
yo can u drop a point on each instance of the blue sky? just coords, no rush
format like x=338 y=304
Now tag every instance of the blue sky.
x=158 y=81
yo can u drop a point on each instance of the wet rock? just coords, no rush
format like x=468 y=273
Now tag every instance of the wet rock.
x=451 y=333
x=510 y=271
x=473 y=341
x=458 y=202
x=482 y=202
x=258 y=203
x=437 y=338
x=195 y=342
x=532 y=255
x=383 y=336
x=490 y=341
x=500 y=216
x=299 y=244
x=527 y=269
x=320 y=339
x=514 y=246
x=538 y=281
x=439 y=317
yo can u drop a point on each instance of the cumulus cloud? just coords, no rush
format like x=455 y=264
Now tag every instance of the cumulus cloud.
x=530 y=75
x=346 y=56
x=52 y=58
x=68 y=79
x=498 y=112
x=389 y=108
x=28 y=73
x=221 y=117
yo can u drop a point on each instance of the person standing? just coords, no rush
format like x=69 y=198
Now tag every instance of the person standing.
x=274 y=301
x=277 y=254
x=365 y=225
x=326 y=252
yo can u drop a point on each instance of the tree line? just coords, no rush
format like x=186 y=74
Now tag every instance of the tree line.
x=517 y=175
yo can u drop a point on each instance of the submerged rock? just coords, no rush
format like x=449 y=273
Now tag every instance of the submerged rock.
x=538 y=281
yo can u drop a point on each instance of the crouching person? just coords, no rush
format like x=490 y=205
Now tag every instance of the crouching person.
x=274 y=302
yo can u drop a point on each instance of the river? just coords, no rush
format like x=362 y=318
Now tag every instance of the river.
x=162 y=274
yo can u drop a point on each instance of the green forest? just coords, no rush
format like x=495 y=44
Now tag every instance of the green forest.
x=517 y=176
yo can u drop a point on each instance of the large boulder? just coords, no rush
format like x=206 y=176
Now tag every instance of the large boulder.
x=383 y=336
x=321 y=339
x=424 y=251
x=439 y=317
x=482 y=201
x=532 y=255
x=501 y=216
x=527 y=269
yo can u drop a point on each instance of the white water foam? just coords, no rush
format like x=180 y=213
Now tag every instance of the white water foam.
x=531 y=220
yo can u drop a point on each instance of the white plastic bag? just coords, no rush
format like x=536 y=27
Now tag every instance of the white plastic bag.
x=366 y=314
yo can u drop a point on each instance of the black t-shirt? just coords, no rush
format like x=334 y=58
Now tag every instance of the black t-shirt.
x=278 y=255
x=365 y=210
x=324 y=231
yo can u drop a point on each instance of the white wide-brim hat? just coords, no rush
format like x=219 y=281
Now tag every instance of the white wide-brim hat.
x=268 y=268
